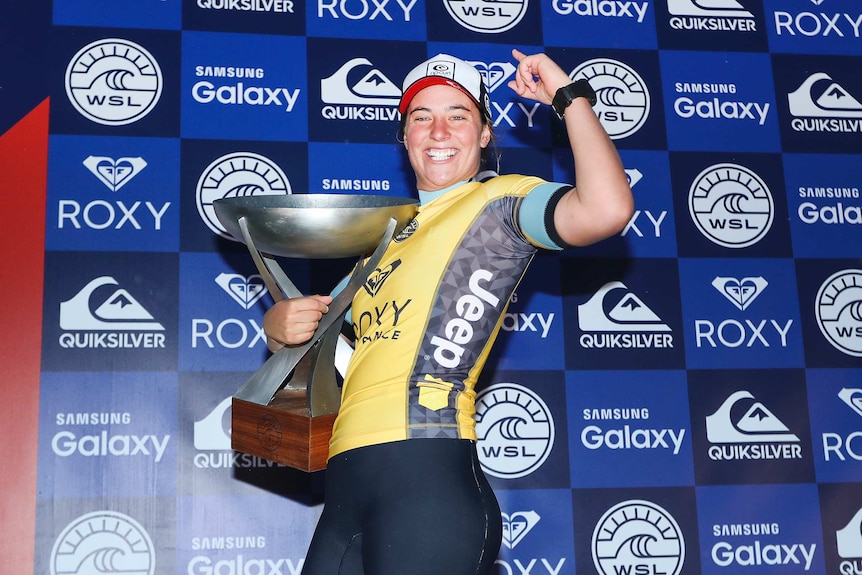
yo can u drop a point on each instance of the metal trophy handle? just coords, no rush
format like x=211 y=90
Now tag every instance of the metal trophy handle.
x=323 y=393
x=285 y=410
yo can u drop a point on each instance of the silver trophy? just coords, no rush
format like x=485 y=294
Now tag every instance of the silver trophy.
x=284 y=411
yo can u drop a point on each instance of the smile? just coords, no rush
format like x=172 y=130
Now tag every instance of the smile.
x=441 y=154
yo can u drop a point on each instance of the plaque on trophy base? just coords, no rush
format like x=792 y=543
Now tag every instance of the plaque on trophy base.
x=285 y=411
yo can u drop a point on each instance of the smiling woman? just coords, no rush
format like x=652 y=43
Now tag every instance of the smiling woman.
x=403 y=472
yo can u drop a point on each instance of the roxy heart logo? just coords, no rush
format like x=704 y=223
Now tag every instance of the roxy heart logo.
x=853 y=398
x=740 y=292
x=517 y=525
x=494 y=74
x=245 y=291
x=114 y=173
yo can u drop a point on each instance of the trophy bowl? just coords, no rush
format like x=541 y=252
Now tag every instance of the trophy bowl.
x=315 y=226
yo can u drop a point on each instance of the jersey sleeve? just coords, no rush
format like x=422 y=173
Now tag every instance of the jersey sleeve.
x=536 y=215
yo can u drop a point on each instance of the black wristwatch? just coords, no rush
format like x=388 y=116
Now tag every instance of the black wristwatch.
x=567 y=94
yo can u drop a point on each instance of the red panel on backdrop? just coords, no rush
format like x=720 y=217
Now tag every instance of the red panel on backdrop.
x=23 y=163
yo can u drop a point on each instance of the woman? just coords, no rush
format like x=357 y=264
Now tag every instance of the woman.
x=404 y=491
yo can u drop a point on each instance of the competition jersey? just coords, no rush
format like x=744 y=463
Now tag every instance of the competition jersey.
x=428 y=315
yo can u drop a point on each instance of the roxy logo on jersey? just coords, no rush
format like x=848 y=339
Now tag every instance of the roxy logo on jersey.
x=113 y=82
x=487 y=16
x=718 y=15
x=623 y=104
x=617 y=318
x=839 y=311
x=757 y=434
x=359 y=91
x=731 y=205
x=237 y=175
x=821 y=104
x=515 y=429
x=638 y=536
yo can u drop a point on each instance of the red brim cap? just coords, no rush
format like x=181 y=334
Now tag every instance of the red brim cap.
x=427 y=81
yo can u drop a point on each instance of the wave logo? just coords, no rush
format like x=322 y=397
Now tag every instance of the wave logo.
x=372 y=88
x=237 y=175
x=755 y=434
x=849 y=543
x=623 y=100
x=113 y=82
x=839 y=311
x=731 y=205
x=103 y=542
x=517 y=525
x=822 y=105
x=487 y=16
x=616 y=317
x=638 y=536
x=117 y=312
x=114 y=173
x=740 y=292
x=515 y=429
x=246 y=291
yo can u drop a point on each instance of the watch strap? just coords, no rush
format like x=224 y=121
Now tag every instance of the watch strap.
x=567 y=94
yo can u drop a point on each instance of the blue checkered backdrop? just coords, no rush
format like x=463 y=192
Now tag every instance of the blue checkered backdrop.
x=683 y=398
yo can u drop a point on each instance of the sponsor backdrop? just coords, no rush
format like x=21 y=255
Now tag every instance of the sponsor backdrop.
x=683 y=398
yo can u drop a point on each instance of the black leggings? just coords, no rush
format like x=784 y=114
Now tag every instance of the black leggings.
x=414 y=507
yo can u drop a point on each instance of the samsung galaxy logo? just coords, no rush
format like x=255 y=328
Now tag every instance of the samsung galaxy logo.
x=229 y=542
x=607 y=8
x=355 y=185
x=228 y=72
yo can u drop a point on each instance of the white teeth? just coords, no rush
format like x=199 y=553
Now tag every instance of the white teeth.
x=441 y=154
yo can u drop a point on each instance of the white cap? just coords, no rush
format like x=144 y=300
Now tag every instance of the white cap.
x=450 y=71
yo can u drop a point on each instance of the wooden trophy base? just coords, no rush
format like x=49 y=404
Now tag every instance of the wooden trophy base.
x=283 y=431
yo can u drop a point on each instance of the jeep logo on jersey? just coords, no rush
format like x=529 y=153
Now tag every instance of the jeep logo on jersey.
x=821 y=104
x=470 y=307
x=638 y=536
x=487 y=16
x=237 y=175
x=623 y=98
x=515 y=429
x=731 y=205
x=113 y=541
x=839 y=311
x=113 y=82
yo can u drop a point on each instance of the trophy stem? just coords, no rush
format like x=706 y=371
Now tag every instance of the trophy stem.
x=266 y=381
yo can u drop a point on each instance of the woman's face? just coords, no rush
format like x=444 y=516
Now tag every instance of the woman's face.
x=444 y=137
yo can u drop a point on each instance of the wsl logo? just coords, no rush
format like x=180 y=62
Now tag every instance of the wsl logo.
x=849 y=544
x=623 y=100
x=359 y=91
x=755 y=434
x=487 y=16
x=638 y=536
x=113 y=82
x=104 y=542
x=731 y=205
x=839 y=311
x=237 y=175
x=107 y=322
x=821 y=104
x=710 y=15
x=628 y=322
x=515 y=429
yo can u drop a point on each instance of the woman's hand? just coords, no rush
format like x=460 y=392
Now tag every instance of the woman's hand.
x=537 y=77
x=293 y=321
